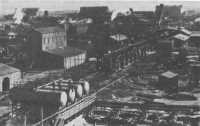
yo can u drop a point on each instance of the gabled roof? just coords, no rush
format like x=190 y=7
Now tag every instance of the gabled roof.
x=52 y=29
x=169 y=74
x=5 y=69
x=187 y=32
x=66 y=52
x=118 y=37
x=181 y=37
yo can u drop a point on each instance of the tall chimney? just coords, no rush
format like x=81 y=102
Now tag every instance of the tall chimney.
x=66 y=26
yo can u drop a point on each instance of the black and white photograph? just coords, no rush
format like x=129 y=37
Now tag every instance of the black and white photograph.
x=99 y=63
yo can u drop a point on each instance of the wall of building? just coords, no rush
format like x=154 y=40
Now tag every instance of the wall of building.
x=53 y=40
x=73 y=61
x=13 y=77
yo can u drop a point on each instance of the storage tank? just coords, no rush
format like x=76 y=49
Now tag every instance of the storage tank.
x=72 y=95
x=86 y=86
x=69 y=89
x=73 y=84
x=42 y=96
x=51 y=97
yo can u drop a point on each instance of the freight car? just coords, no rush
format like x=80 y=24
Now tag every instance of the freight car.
x=51 y=97
x=117 y=59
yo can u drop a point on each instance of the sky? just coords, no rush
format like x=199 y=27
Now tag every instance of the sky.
x=8 y=6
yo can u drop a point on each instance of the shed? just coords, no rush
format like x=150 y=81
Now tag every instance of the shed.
x=168 y=81
x=194 y=40
x=179 y=40
x=9 y=76
x=70 y=57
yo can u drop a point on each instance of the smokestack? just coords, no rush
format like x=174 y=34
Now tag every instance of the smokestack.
x=65 y=22
x=66 y=26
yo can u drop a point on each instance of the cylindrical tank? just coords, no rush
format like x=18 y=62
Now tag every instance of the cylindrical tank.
x=77 y=86
x=79 y=91
x=52 y=97
x=72 y=95
x=86 y=86
x=68 y=88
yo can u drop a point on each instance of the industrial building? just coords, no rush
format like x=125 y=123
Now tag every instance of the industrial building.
x=52 y=38
x=9 y=77
x=68 y=57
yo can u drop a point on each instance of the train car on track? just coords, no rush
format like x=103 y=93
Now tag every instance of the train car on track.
x=49 y=98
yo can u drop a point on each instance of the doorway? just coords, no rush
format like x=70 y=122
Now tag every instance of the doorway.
x=6 y=84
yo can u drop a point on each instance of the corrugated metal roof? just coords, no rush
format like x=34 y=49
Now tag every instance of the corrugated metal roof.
x=181 y=37
x=52 y=29
x=5 y=69
x=66 y=52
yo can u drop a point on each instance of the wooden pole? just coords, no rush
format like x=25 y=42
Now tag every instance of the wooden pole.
x=25 y=119
x=42 y=115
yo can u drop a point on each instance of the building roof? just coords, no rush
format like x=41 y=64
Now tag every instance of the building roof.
x=187 y=32
x=118 y=37
x=66 y=52
x=195 y=34
x=169 y=74
x=181 y=37
x=197 y=19
x=52 y=29
x=5 y=69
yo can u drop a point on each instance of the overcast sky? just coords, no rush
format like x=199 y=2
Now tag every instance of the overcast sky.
x=8 y=6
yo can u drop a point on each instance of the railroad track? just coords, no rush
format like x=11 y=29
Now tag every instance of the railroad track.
x=107 y=83
x=87 y=99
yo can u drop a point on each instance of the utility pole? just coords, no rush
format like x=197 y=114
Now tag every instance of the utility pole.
x=25 y=119
x=42 y=115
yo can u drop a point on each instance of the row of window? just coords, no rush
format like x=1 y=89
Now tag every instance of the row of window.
x=73 y=61
x=52 y=42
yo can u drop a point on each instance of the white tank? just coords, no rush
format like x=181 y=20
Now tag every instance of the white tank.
x=72 y=84
x=79 y=91
x=52 y=97
x=86 y=86
x=72 y=94
x=63 y=98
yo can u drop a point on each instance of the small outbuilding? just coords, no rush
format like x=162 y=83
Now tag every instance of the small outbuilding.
x=168 y=81
x=179 y=40
x=9 y=76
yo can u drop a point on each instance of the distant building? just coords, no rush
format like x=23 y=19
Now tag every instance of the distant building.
x=52 y=38
x=168 y=81
x=78 y=27
x=194 y=41
x=9 y=77
x=98 y=14
x=68 y=57
x=179 y=40
x=168 y=14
